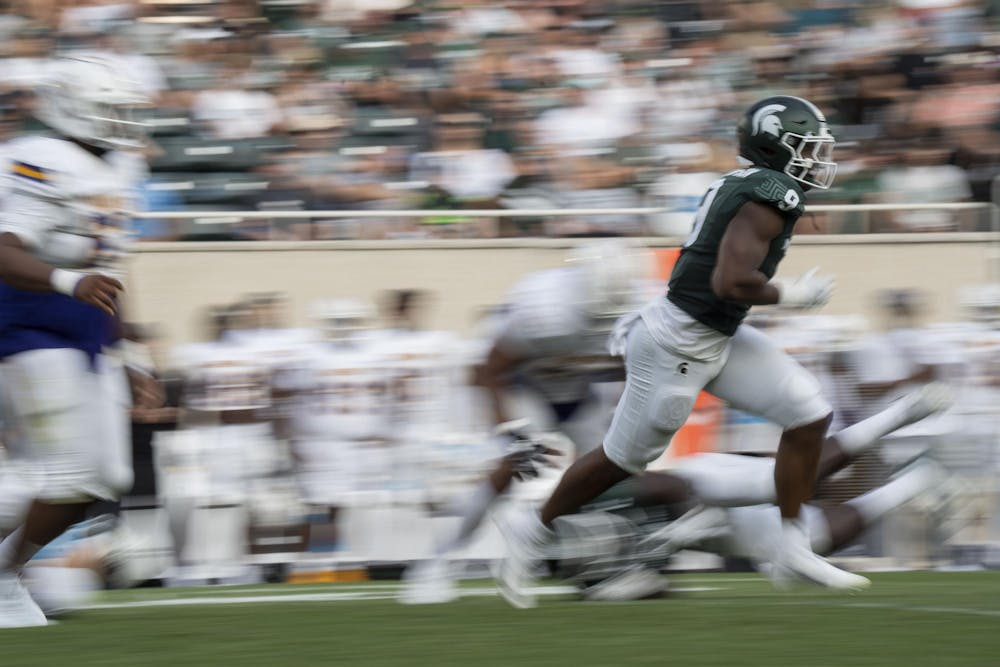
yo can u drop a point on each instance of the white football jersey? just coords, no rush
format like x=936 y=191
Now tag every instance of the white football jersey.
x=277 y=349
x=223 y=377
x=67 y=205
x=422 y=369
x=342 y=393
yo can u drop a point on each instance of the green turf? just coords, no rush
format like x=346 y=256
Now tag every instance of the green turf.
x=909 y=620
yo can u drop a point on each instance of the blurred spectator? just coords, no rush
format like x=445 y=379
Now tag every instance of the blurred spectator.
x=681 y=191
x=460 y=165
x=237 y=108
x=924 y=177
x=382 y=104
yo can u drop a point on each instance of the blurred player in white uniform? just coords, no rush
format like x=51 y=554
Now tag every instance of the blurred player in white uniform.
x=734 y=512
x=225 y=437
x=62 y=243
x=336 y=405
x=551 y=342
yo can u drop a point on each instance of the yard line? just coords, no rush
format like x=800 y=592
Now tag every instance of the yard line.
x=304 y=597
x=385 y=592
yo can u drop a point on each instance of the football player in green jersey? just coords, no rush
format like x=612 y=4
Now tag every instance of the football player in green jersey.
x=694 y=339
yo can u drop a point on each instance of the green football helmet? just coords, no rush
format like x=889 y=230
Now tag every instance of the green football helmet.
x=789 y=134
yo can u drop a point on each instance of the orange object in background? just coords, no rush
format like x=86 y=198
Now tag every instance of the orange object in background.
x=665 y=260
x=701 y=431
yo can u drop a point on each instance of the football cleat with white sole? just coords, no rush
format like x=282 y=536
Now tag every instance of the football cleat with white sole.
x=429 y=582
x=17 y=608
x=815 y=570
x=634 y=583
x=515 y=573
x=796 y=563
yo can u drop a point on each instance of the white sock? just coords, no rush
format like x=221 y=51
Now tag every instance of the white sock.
x=859 y=437
x=878 y=502
x=794 y=534
x=7 y=547
x=817 y=528
x=730 y=480
x=536 y=533
x=472 y=509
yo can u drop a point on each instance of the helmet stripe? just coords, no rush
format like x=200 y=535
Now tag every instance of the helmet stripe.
x=812 y=107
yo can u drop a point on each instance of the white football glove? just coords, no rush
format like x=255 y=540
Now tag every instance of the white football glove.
x=807 y=291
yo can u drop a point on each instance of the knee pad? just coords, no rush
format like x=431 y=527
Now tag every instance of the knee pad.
x=670 y=409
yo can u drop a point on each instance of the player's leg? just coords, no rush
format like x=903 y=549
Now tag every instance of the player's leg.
x=88 y=456
x=796 y=465
x=849 y=519
x=756 y=533
x=431 y=581
x=472 y=508
x=728 y=480
x=761 y=379
x=74 y=419
x=660 y=391
x=840 y=449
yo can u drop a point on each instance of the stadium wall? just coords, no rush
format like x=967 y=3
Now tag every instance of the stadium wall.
x=172 y=283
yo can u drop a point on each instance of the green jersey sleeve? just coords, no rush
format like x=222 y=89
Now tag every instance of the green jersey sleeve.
x=773 y=188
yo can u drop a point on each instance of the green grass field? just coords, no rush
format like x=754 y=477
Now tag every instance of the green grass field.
x=907 y=619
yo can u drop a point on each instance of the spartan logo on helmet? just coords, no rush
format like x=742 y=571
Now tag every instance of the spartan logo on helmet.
x=765 y=119
x=789 y=134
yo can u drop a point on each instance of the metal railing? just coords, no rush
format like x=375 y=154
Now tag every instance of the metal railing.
x=233 y=217
x=989 y=233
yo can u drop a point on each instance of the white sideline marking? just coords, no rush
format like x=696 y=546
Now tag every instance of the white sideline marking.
x=347 y=593
x=384 y=592
x=307 y=597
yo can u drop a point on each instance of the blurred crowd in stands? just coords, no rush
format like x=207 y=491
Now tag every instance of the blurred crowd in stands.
x=284 y=105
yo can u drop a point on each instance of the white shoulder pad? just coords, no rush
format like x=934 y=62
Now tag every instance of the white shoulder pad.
x=58 y=169
x=33 y=165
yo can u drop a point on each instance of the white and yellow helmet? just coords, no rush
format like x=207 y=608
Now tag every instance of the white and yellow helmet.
x=91 y=97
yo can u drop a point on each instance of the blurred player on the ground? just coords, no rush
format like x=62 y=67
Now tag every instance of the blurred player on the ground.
x=597 y=547
x=693 y=340
x=550 y=342
x=62 y=245
x=757 y=527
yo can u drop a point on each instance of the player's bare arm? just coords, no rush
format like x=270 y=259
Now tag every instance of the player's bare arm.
x=737 y=276
x=147 y=392
x=21 y=270
x=492 y=375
